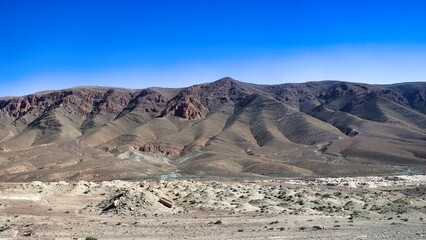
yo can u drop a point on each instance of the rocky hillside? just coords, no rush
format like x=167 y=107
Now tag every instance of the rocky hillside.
x=222 y=128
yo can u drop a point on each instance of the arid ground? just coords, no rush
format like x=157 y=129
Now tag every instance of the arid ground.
x=317 y=208
x=221 y=160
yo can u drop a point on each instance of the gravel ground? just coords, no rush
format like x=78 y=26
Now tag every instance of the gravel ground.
x=333 y=208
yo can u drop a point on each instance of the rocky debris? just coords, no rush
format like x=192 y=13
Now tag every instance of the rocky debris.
x=135 y=203
x=166 y=202
x=264 y=197
x=2 y=229
x=171 y=152
x=364 y=182
x=146 y=157
x=192 y=147
x=224 y=209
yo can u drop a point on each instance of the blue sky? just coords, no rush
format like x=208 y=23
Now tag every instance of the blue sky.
x=138 y=44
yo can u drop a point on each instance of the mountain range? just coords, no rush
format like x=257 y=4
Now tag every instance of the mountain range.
x=225 y=128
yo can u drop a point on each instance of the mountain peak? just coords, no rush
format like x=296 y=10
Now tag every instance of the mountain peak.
x=236 y=127
x=226 y=80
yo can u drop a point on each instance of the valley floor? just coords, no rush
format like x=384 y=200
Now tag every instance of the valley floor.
x=324 y=208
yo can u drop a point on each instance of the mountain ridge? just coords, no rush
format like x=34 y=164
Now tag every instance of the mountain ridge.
x=223 y=128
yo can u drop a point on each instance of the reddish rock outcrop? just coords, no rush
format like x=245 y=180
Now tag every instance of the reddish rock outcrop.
x=160 y=148
x=187 y=108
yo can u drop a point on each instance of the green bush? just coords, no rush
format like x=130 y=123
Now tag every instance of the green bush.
x=91 y=238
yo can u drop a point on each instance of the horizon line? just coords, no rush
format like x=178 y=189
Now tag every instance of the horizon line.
x=204 y=83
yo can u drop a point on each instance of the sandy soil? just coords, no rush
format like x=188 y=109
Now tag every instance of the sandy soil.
x=323 y=208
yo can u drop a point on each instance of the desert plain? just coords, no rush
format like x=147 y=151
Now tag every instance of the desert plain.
x=392 y=207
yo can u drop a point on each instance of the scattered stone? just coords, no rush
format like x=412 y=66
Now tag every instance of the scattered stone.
x=166 y=202
x=2 y=229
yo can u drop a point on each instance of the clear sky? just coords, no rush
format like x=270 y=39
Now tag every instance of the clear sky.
x=138 y=44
